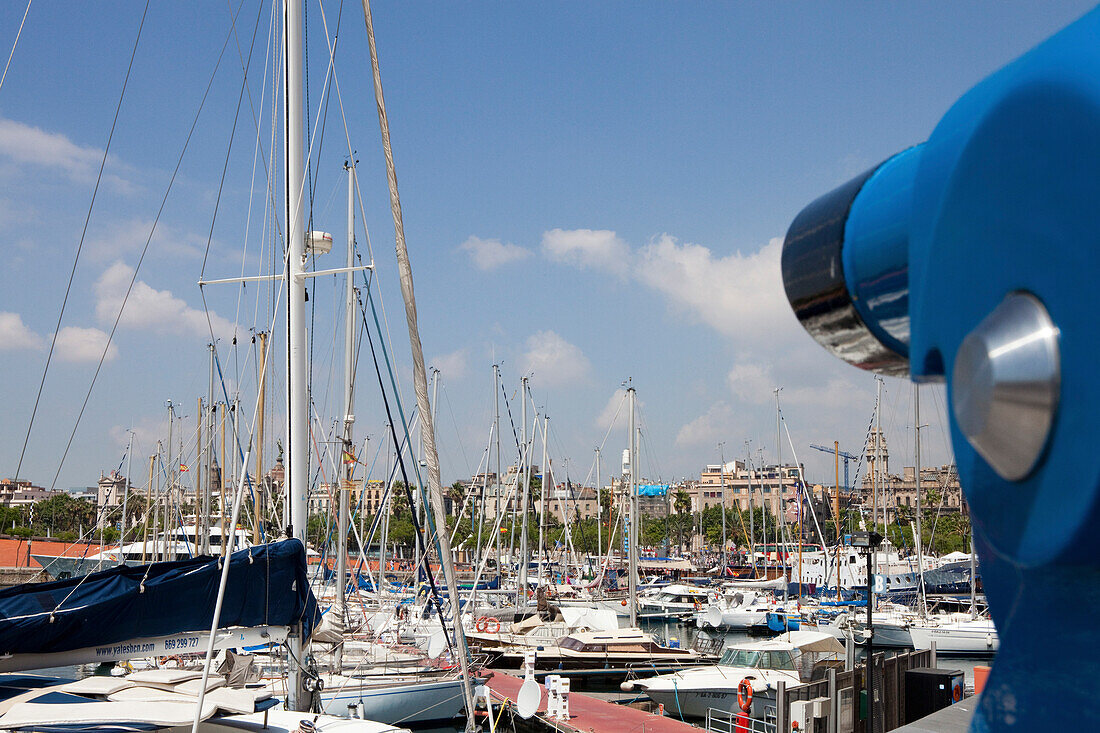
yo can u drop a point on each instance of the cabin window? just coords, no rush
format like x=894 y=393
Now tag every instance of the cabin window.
x=776 y=660
x=740 y=658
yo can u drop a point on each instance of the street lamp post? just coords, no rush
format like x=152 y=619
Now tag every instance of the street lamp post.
x=868 y=542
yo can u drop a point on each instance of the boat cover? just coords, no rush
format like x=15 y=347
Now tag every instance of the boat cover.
x=267 y=585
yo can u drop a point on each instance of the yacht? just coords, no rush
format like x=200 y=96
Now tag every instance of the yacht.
x=676 y=601
x=956 y=633
x=175 y=544
x=793 y=658
x=601 y=650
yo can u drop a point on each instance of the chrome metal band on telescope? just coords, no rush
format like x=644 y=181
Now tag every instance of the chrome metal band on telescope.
x=813 y=277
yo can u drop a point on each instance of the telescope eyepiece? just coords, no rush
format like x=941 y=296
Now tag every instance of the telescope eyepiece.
x=845 y=267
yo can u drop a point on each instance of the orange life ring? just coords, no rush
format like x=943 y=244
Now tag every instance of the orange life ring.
x=481 y=624
x=744 y=695
x=164 y=660
x=492 y=625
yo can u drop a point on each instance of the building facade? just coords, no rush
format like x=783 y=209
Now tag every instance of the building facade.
x=743 y=487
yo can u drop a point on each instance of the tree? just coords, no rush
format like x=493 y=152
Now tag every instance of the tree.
x=63 y=513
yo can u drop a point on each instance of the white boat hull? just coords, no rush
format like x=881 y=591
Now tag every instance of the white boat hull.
x=977 y=637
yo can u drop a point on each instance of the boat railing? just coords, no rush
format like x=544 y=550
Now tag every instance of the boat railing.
x=711 y=646
x=726 y=721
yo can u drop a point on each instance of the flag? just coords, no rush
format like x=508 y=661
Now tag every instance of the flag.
x=183 y=468
x=349 y=458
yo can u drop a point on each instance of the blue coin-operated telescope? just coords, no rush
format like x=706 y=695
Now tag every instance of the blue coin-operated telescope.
x=974 y=258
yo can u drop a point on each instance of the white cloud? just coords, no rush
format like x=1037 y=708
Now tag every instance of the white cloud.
x=14 y=334
x=151 y=309
x=147 y=431
x=489 y=254
x=553 y=360
x=614 y=412
x=25 y=145
x=598 y=249
x=453 y=365
x=738 y=295
x=751 y=382
x=129 y=237
x=708 y=428
x=83 y=345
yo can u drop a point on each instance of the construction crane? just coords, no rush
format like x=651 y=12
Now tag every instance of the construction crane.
x=843 y=454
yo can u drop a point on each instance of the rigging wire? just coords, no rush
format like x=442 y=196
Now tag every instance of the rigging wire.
x=76 y=258
x=15 y=43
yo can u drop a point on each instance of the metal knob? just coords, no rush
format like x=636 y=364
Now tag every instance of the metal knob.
x=1006 y=385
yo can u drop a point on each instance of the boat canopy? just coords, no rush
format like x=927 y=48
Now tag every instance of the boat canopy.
x=267 y=585
x=803 y=641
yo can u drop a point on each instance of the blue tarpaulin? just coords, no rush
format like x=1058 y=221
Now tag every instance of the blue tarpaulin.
x=652 y=489
x=137 y=601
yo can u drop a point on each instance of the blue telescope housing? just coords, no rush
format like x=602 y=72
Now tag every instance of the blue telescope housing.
x=974 y=259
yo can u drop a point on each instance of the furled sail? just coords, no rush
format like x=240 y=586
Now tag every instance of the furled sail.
x=267 y=586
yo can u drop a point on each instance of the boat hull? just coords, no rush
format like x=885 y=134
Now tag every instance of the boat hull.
x=396 y=704
x=981 y=639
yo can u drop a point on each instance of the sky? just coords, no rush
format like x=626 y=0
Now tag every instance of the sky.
x=592 y=193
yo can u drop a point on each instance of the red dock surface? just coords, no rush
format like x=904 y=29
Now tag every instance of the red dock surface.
x=590 y=714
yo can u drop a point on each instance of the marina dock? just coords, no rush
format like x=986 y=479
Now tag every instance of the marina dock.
x=587 y=714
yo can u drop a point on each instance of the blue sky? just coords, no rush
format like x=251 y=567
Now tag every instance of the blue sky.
x=592 y=191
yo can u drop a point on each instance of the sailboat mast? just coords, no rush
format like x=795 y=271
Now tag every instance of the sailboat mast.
x=525 y=466
x=297 y=473
x=349 y=418
x=632 y=568
x=752 y=510
x=259 y=487
x=125 y=495
x=500 y=486
x=781 y=526
x=722 y=473
x=878 y=475
x=599 y=509
x=542 y=494
x=420 y=381
x=207 y=476
x=917 y=540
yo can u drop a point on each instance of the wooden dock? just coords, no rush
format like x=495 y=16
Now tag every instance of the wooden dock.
x=587 y=714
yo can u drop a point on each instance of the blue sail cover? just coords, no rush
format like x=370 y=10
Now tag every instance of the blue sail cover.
x=267 y=585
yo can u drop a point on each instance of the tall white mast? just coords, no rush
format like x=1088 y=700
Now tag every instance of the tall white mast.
x=525 y=466
x=781 y=526
x=349 y=419
x=599 y=509
x=125 y=495
x=752 y=511
x=632 y=568
x=878 y=475
x=918 y=538
x=722 y=473
x=542 y=494
x=500 y=486
x=297 y=473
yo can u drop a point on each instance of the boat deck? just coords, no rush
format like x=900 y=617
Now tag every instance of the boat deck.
x=589 y=714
